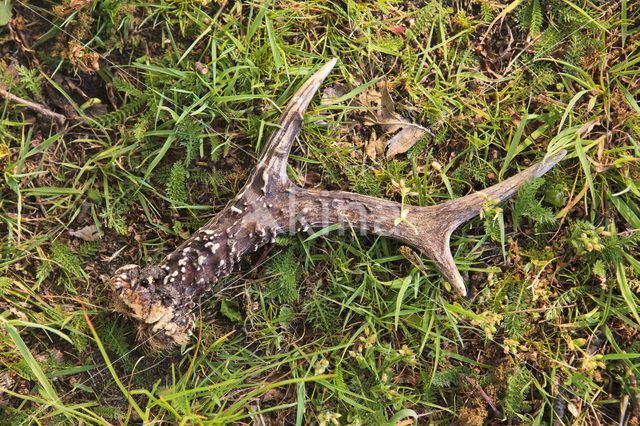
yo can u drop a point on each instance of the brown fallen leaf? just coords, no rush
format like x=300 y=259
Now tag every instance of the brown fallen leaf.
x=390 y=121
x=88 y=233
x=404 y=139
x=385 y=114
x=376 y=145
x=398 y=134
x=387 y=106
x=272 y=395
x=370 y=149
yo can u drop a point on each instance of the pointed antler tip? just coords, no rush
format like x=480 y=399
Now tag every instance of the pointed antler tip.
x=555 y=157
x=461 y=289
x=549 y=162
x=452 y=275
x=324 y=71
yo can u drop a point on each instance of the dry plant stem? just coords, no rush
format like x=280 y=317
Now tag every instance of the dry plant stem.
x=484 y=395
x=41 y=109
x=163 y=297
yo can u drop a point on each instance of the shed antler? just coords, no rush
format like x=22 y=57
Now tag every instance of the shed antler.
x=163 y=296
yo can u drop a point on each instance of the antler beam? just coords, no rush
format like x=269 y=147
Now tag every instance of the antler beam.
x=163 y=297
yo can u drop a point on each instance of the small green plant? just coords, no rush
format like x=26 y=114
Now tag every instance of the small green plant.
x=69 y=264
x=529 y=17
x=516 y=399
x=449 y=377
x=108 y=412
x=404 y=191
x=114 y=339
x=487 y=12
x=30 y=80
x=284 y=271
x=5 y=285
x=586 y=238
x=363 y=183
x=321 y=313
x=425 y=18
x=469 y=174
x=529 y=205
x=177 y=183
x=191 y=136
x=493 y=217
x=115 y=210
x=557 y=20
x=121 y=115
x=88 y=248
x=78 y=336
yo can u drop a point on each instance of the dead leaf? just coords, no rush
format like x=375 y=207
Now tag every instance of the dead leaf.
x=6 y=382
x=97 y=110
x=370 y=98
x=398 y=134
x=88 y=233
x=573 y=409
x=391 y=122
x=370 y=149
x=403 y=140
x=387 y=106
x=49 y=355
x=385 y=115
x=587 y=127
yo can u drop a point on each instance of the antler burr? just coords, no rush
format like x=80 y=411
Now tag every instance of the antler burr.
x=163 y=297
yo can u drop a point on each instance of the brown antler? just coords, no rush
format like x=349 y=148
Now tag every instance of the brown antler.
x=163 y=296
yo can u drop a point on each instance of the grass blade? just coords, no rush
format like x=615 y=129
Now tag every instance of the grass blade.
x=406 y=282
x=107 y=361
x=586 y=168
x=34 y=366
x=513 y=146
x=625 y=290
x=275 y=49
x=625 y=211
x=570 y=106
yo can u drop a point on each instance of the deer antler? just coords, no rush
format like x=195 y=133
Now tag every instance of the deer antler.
x=163 y=296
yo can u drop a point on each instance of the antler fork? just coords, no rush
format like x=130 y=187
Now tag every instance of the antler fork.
x=162 y=297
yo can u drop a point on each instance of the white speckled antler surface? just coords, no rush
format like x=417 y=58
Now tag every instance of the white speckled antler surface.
x=163 y=297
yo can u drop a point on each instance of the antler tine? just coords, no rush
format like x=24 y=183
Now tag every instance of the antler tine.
x=446 y=217
x=162 y=297
x=470 y=205
x=274 y=158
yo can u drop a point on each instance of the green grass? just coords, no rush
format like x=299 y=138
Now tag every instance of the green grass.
x=333 y=328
